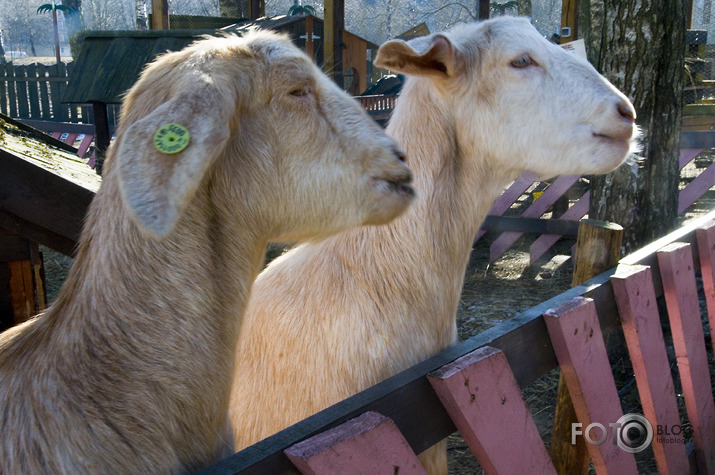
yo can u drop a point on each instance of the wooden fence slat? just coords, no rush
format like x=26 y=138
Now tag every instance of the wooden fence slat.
x=84 y=145
x=578 y=343
x=544 y=242
x=696 y=188
x=509 y=196
x=681 y=297
x=33 y=90
x=3 y=90
x=44 y=92
x=11 y=90
x=485 y=402
x=638 y=308
x=687 y=155
x=370 y=443
x=537 y=208
x=705 y=236
x=23 y=106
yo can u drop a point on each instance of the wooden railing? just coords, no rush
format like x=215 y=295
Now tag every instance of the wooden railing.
x=475 y=386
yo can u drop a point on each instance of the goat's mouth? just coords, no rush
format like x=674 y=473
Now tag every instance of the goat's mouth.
x=621 y=141
x=400 y=186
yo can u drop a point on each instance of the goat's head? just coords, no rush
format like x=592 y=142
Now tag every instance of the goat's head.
x=274 y=140
x=531 y=104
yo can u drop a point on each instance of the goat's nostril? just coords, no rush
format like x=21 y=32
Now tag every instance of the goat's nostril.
x=400 y=156
x=626 y=111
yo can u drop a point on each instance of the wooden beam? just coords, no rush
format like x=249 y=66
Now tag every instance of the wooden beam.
x=569 y=19
x=256 y=9
x=333 y=27
x=39 y=204
x=598 y=248
x=102 y=136
x=159 y=14
x=483 y=10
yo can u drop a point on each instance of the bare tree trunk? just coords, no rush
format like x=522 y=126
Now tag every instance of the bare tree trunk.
x=525 y=7
x=141 y=15
x=639 y=45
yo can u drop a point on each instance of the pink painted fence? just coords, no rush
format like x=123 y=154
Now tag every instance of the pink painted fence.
x=577 y=208
x=475 y=387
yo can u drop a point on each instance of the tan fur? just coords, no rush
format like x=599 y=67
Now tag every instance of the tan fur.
x=130 y=370
x=381 y=299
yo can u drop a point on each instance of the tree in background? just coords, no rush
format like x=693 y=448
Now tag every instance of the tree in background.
x=74 y=24
x=51 y=7
x=299 y=9
x=141 y=15
x=639 y=45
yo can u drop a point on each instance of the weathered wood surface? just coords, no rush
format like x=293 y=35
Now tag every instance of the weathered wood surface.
x=45 y=190
x=637 y=306
x=362 y=445
x=485 y=402
x=581 y=352
x=598 y=248
x=681 y=296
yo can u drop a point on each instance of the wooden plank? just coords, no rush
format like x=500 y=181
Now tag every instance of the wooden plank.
x=581 y=351
x=697 y=139
x=21 y=290
x=33 y=91
x=41 y=197
x=11 y=90
x=681 y=297
x=544 y=242
x=706 y=249
x=84 y=145
x=510 y=195
x=23 y=106
x=565 y=226
x=485 y=402
x=3 y=90
x=44 y=90
x=598 y=248
x=637 y=306
x=370 y=443
x=696 y=188
x=537 y=208
x=687 y=155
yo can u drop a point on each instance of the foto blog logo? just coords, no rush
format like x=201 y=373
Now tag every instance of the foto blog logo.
x=633 y=433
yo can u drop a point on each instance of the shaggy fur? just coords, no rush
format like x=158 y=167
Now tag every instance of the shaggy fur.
x=130 y=370
x=485 y=102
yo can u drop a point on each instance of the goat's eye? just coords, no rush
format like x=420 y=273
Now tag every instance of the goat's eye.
x=301 y=91
x=522 y=61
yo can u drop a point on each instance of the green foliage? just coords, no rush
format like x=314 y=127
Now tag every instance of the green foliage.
x=502 y=8
x=48 y=7
x=297 y=9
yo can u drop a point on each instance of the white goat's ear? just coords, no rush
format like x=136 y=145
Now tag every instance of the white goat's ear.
x=433 y=55
x=157 y=181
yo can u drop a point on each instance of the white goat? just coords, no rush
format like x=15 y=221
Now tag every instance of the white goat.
x=130 y=370
x=488 y=101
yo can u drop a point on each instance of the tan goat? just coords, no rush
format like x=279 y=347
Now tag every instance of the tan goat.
x=130 y=370
x=487 y=101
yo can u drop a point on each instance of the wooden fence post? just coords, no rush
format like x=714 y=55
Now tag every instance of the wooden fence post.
x=21 y=274
x=598 y=248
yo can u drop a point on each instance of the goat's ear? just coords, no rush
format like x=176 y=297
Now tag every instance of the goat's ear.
x=157 y=181
x=433 y=55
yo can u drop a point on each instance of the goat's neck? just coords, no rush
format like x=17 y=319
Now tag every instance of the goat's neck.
x=426 y=251
x=165 y=309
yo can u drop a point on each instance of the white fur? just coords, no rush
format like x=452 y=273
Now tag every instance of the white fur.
x=130 y=370
x=381 y=299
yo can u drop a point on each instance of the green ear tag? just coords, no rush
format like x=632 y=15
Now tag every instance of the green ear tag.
x=171 y=138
